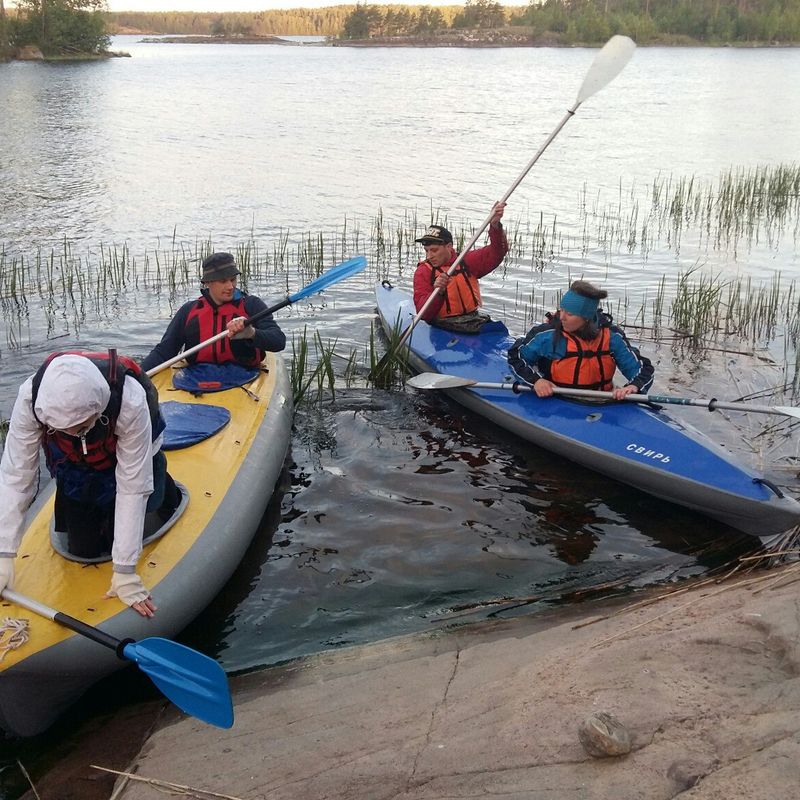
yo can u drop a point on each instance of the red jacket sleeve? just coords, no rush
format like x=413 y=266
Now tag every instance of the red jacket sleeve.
x=482 y=261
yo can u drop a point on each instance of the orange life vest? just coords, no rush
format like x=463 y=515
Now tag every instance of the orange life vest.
x=463 y=295
x=586 y=364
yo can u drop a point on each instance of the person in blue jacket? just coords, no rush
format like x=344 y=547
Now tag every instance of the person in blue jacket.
x=221 y=306
x=580 y=347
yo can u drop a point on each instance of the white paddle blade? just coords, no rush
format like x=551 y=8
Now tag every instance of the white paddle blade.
x=432 y=380
x=608 y=63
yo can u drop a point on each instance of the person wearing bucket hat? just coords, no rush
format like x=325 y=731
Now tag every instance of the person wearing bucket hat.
x=457 y=305
x=96 y=415
x=221 y=305
x=580 y=347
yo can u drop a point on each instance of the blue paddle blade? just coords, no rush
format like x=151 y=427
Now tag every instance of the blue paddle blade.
x=333 y=275
x=194 y=682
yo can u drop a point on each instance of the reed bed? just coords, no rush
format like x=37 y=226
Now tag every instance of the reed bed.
x=743 y=207
x=695 y=306
x=699 y=309
x=752 y=205
x=388 y=366
x=317 y=372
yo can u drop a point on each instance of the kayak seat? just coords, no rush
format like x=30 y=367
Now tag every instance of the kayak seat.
x=203 y=378
x=154 y=528
x=190 y=423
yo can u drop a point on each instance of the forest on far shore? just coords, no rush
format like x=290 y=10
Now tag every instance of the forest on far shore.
x=554 y=21
x=80 y=28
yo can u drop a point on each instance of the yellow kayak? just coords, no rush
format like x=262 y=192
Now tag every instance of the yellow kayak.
x=227 y=482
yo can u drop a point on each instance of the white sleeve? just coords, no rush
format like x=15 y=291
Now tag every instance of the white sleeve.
x=134 y=474
x=19 y=470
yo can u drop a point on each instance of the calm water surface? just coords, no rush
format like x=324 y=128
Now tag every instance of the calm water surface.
x=396 y=510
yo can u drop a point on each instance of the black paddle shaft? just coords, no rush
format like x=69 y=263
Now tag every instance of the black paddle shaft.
x=95 y=634
x=265 y=311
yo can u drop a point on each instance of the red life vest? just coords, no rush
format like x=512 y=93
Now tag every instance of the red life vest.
x=463 y=295
x=587 y=364
x=61 y=449
x=206 y=319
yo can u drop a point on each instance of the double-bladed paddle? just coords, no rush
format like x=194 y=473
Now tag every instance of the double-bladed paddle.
x=193 y=682
x=608 y=63
x=433 y=380
x=333 y=275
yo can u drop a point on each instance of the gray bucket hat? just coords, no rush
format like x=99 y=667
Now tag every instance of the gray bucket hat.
x=219 y=267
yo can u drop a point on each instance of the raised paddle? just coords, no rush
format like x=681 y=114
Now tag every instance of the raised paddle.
x=433 y=380
x=333 y=275
x=193 y=682
x=608 y=63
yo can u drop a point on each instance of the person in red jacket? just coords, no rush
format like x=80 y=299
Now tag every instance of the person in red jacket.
x=457 y=303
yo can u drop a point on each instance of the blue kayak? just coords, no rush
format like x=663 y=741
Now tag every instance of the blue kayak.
x=636 y=444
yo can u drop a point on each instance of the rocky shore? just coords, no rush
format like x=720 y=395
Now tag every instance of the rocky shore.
x=32 y=53
x=702 y=680
x=219 y=40
x=453 y=38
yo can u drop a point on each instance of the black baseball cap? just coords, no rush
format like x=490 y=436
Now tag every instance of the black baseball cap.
x=436 y=234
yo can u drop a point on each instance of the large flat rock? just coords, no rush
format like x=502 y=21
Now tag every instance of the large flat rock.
x=705 y=681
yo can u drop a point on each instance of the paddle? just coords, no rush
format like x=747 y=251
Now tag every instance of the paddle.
x=608 y=63
x=433 y=380
x=333 y=275
x=193 y=682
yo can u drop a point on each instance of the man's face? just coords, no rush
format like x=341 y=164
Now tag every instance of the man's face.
x=438 y=254
x=222 y=291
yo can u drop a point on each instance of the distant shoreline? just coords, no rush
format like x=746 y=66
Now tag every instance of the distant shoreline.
x=484 y=39
x=33 y=53
x=221 y=40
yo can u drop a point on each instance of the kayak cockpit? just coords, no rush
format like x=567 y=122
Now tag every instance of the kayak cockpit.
x=187 y=424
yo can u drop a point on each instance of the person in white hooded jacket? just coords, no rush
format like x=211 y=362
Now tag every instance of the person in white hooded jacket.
x=95 y=415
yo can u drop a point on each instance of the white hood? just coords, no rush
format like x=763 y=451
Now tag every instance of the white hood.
x=72 y=391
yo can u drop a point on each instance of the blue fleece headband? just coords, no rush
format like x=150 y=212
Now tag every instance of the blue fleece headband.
x=575 y=303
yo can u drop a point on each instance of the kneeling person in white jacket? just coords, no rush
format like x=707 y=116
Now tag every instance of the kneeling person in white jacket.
x=96 y=415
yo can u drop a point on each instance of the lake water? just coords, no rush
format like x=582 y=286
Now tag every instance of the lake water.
x=397 y=509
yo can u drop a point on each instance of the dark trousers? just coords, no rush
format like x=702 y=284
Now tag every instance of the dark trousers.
x=466 y=323
x=90 y=528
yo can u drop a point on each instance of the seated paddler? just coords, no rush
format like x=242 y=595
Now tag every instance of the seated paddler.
x=96 y=415
x=221 y=306
x=458 y=296
x=580 y=347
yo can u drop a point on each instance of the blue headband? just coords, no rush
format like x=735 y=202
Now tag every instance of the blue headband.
x=575 y=303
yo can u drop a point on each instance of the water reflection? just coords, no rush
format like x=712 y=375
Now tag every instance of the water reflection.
x=218 y=142
x=52 y=188
x=397 y=516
